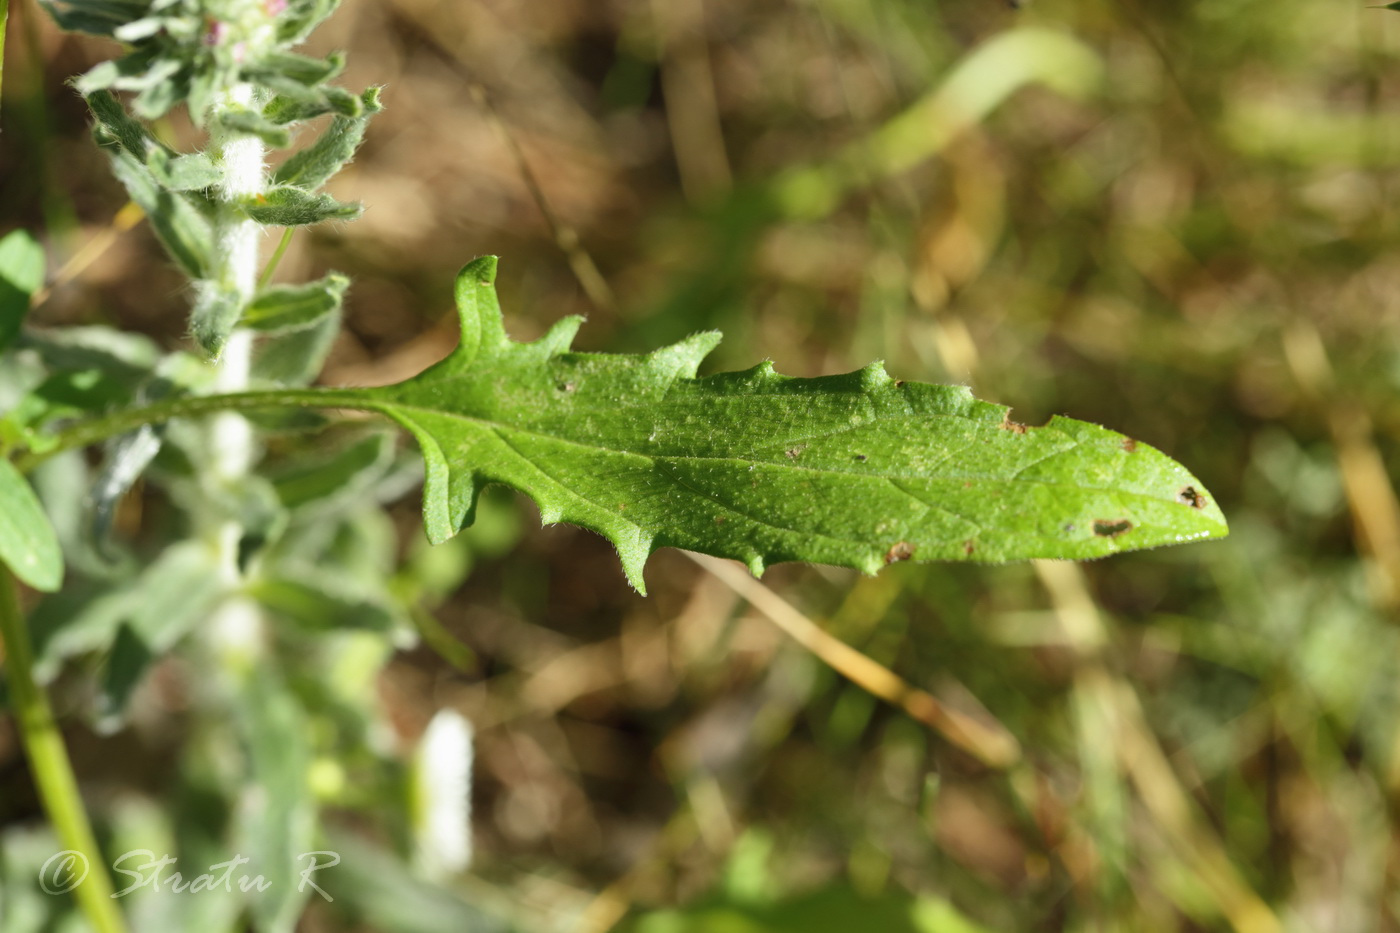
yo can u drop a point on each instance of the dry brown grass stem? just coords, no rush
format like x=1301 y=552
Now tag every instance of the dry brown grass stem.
x=987 y=741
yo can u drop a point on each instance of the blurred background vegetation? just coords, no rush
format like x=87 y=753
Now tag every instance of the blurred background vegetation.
x=1173 y=219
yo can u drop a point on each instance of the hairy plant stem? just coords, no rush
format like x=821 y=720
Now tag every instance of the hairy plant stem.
x=237 y=271
x=50 y=766
x=236 y=622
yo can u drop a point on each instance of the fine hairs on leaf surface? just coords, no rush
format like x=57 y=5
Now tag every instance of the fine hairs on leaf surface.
x=857 y=470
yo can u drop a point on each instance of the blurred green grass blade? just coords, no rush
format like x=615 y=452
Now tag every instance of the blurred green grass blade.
x=381 y=893
x=836 y=909
x=983 y=80
x=28 y=544
x=855 y=470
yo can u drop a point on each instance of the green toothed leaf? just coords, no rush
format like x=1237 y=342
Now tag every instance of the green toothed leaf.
x=857 y=470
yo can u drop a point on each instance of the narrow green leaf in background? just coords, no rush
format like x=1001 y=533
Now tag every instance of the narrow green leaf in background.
x=857 y=470
x=21 y=275
x=28 y=545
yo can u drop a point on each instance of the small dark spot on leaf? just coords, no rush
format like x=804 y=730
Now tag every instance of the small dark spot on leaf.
x=1112 y=528
x=969 y=547
x=1189 y=496
x=792 y=453
x=720 y=519
x=1129 y=445
x=861 y=457
x=900 y=550
x=898 y=383
x=1069 y=527
x=1015 y=427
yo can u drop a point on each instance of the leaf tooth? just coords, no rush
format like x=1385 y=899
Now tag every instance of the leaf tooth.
x=757 y=564
x=561 y=336
x=871 y=564
x=873 y=376
x=550 y=514
x=682 y=359
x=634 y=554
x=478 y=310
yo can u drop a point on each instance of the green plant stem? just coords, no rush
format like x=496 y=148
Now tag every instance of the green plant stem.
x=4 y=18
x=48 y=762
x=94 y=430
x=271 y=268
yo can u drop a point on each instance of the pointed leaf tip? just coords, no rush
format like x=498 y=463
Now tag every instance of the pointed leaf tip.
x=480 y=271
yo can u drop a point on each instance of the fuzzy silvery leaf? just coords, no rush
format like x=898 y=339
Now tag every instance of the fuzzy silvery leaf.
x=158 y=99
x=288 y=206
x=276 y=818
x=286 y=68
x=294 y=307
x=215 y=314
x=857 y=470
x=182 y=228
x=285 y=109
x=96 y=17
x=313 y=166
x=348 y=473
x=254 y=124
x=193 y=172
x=301 y=17
x=115 y=124
x=322 y=599
x=295 y=358
x=125 y=459
x=126 y=73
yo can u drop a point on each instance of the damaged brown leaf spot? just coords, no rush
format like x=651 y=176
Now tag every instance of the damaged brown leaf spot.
x=900 y=550
x=1129 y=445
x=720 y=519
x=1190 y=496
x=861 y=457
x=898 y=383
x=568 y=386
x=792 y=453
x=969 y=547
x=1015 y=427
x=1112 y=528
